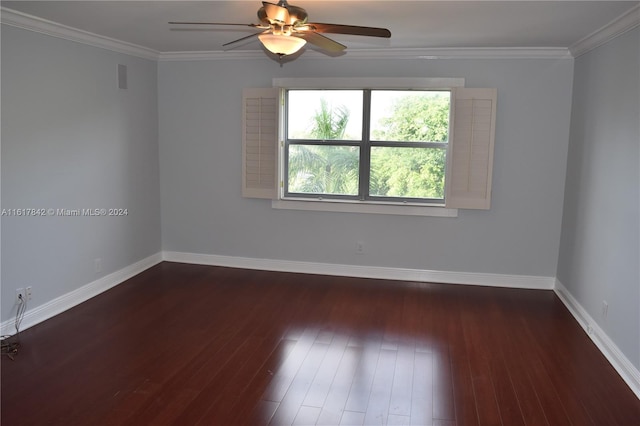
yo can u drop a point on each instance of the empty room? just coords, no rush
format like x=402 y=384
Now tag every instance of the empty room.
x=320 y=213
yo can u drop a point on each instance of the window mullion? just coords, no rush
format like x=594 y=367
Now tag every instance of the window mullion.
x=365 y=148
x=391 y=144
x=323 y=142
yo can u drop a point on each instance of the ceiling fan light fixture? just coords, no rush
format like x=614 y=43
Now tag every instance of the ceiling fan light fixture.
x=285 y=30
x=282 y=44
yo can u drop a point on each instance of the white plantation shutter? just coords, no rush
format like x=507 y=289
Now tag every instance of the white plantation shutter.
x=260 y=143
x=470 y=160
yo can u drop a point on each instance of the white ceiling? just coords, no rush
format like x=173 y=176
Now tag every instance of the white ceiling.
x=413 y=24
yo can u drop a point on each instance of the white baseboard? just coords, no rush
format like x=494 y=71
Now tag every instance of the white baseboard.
x=609 y=349
x=629 y=373
x=67 y=301
x=75 y=297
x=401 y=274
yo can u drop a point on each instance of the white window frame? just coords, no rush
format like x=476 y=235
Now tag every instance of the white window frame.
x=474 y=153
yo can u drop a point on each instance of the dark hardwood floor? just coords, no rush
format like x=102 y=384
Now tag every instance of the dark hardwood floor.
x=197 y=345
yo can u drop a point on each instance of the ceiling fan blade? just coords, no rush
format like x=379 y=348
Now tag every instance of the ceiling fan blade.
x=350 y=29
x=215 y=23
x=275 y=12
x=238 y=41
x=322 y=41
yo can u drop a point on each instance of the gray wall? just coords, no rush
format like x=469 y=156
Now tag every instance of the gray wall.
x=200 y=178
x=72 y=139
x=599 y=250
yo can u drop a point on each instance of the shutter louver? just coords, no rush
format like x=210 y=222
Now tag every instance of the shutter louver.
x=471 y=149
x=260 y=143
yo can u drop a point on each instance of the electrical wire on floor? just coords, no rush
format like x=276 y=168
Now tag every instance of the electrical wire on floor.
x=9 y=344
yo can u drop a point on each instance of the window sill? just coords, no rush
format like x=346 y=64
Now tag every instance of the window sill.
x=364 y=207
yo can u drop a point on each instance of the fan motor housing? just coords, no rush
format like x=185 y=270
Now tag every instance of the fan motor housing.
x=297 y=14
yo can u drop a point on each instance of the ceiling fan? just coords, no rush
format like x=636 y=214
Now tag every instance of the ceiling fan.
x=285 y=30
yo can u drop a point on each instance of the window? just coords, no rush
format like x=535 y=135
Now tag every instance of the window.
x=355 y=146
x=375 y=145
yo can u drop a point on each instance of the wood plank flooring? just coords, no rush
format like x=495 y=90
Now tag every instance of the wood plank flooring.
x=197 y=345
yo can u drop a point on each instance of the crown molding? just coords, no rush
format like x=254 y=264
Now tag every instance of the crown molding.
x=54 y=29
x=462 y=53
x=211 y=55
x=625 y=22
x=406 y=53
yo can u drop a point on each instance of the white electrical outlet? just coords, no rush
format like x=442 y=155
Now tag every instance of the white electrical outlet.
x=360 y=247
x=28 y=292
x=605 y=308
x=20 y=296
